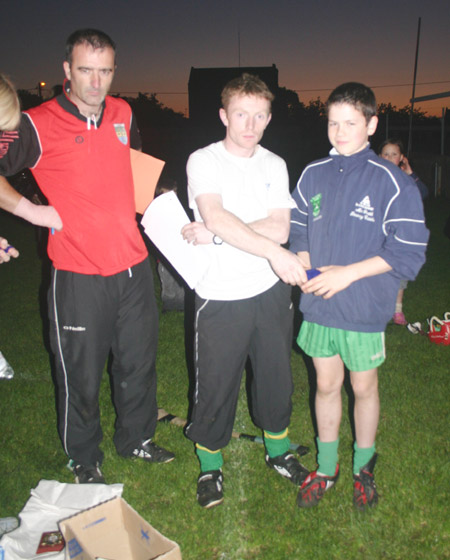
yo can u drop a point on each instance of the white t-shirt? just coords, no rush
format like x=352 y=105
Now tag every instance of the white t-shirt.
x=249 y=188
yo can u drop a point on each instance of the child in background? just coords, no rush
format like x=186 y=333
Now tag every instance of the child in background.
x=392 y=150
x=359 y=220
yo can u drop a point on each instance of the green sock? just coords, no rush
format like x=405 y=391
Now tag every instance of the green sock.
x=276 y=443
x=209 y=460
x=327 y=456
x=361 y=457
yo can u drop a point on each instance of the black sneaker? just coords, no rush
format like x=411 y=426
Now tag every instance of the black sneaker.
x=314 y=487
x=86 y=474
x=364 y=488
x=152 y=453
x=288 y=466
x=210 y=488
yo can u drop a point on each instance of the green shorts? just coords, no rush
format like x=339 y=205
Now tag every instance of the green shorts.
x=359 y=351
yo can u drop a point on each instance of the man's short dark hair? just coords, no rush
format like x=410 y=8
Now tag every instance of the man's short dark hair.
x=247 y=84
x=97 y=39
x=358 y=95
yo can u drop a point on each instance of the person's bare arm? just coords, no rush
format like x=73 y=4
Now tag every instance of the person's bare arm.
x=234 y=231
x=37 y=214
x=9 y=197
x=334 y=279
x=275 y=226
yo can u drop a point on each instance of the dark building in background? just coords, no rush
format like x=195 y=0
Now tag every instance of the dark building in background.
x=206 y=84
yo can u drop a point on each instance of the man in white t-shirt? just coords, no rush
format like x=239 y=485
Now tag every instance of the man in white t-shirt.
x=239 y=192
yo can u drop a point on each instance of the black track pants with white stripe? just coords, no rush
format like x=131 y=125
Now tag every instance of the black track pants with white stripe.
x=227 y=333
x=91 y=315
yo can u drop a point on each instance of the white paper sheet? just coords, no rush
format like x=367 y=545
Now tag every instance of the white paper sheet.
x=162 y=222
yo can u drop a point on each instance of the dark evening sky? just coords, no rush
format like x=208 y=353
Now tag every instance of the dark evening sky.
x=315 y=45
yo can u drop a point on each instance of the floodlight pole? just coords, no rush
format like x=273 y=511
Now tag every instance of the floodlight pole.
x=239 y=44
x=413 y=91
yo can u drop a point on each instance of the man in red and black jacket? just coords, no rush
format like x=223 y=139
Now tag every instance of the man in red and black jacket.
x=101 y=297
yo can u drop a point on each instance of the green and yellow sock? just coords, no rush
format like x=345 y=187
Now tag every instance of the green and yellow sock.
x=276 y=443
x=327 y=456
x=209 y=460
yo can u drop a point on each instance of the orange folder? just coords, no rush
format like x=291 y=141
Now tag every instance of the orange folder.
x=146 y=171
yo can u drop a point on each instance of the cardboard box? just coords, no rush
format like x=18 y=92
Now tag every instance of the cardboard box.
x=113 y=530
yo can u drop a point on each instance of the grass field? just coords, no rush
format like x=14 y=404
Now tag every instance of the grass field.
x=259 y=519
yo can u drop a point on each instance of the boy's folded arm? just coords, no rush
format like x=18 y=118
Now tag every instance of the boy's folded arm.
x=368 y=267
x=334 y=279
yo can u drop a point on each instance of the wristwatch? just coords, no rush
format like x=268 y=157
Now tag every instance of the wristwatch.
x=217 y=240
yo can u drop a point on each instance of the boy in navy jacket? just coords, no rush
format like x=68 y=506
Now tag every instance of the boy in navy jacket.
x=360 y=222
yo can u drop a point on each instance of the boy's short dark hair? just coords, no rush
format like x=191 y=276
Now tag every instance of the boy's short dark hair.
x=97 y=39
x=358 y=95
x=247 y=84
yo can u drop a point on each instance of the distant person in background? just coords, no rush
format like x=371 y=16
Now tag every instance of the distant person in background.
x=392 y=150
x=101 y=298
x=172 y=286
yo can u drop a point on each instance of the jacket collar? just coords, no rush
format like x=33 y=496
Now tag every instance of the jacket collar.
x=68 y=105
x=347 y=162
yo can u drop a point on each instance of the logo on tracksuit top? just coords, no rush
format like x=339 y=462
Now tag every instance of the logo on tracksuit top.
x=315 y=203
x=363 y=210
x=121 y=133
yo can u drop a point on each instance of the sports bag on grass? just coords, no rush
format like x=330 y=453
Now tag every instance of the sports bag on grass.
x=439 y=331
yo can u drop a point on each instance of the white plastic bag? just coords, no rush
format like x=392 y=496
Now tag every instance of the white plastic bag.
x=50 y=502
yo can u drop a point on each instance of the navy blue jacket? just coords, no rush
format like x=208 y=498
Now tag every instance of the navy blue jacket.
x=352 y=208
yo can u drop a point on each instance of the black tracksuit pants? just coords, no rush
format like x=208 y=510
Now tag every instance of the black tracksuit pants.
x=226 y=334
x=91 y=315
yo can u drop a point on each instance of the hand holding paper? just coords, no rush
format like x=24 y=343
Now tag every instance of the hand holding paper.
x=163 y=222
x=197 y=233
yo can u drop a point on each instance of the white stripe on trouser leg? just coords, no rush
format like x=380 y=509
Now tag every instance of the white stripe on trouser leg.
x=196 y=350
x=196 y=357
x=66 y=412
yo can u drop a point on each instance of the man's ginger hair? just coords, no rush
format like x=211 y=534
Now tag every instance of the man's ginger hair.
x=247 y=84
